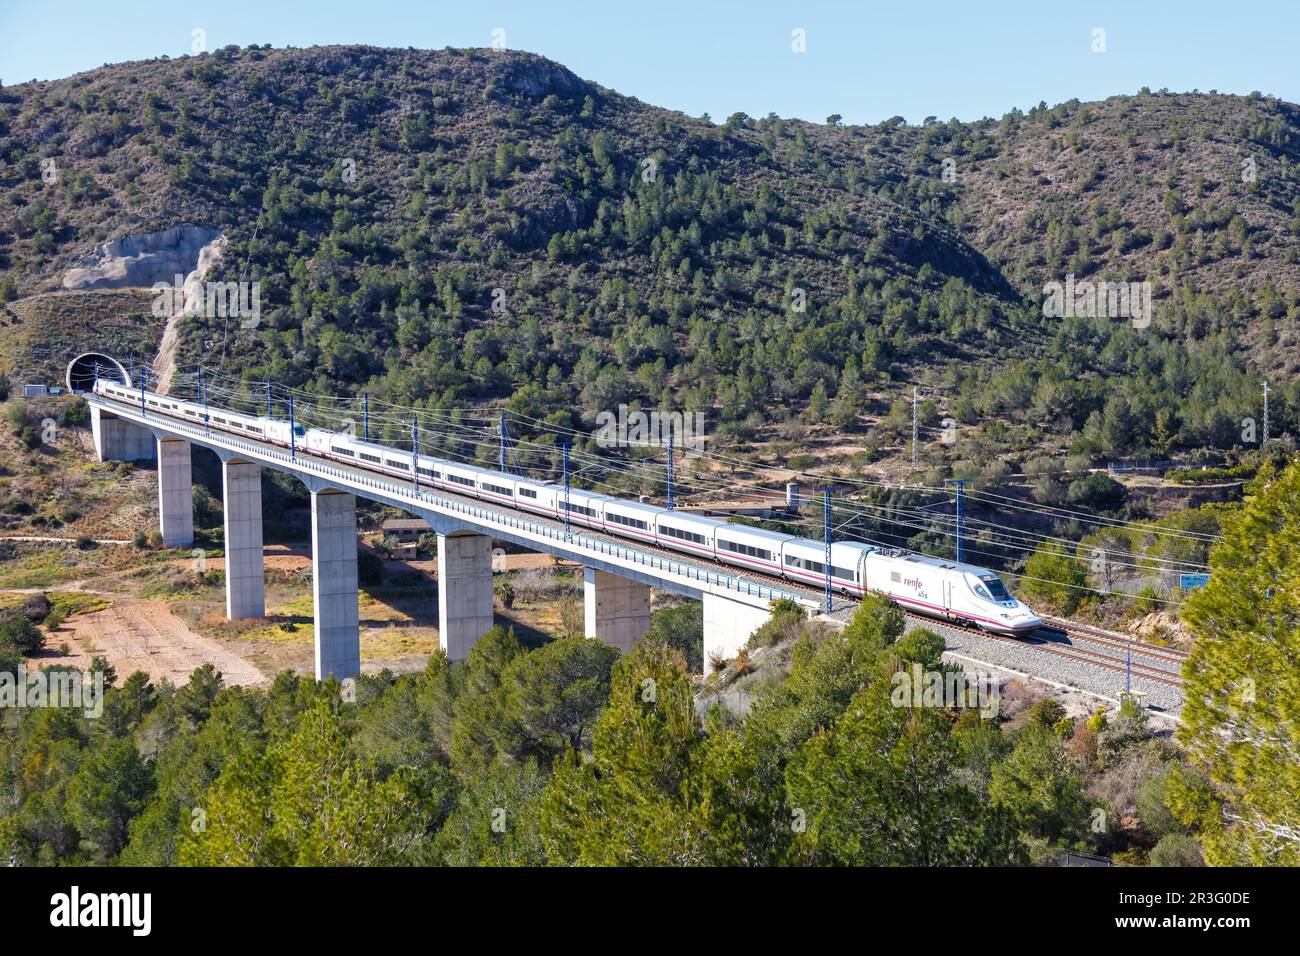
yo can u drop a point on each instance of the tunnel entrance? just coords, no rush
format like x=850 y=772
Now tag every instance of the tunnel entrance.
x=83 y=369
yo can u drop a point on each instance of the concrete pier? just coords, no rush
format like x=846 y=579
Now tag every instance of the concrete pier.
x=117 y=439
x=464 y=592
x=175 y=493
x=334 y=583
x=616 y=610
x=241 y=483
x=727 y=626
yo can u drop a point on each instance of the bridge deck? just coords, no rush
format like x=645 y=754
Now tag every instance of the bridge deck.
x=446 y=512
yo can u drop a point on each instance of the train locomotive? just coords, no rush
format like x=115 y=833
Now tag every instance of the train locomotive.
x=938 y=588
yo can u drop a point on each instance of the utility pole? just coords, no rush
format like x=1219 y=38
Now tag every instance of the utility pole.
x=415 y=451
x=564 y=447
x=913 y=429
x=826 y=534
x=293 y=439
x=365 y=415
x=1265 y=441
x=670 y=471
x=501 y=442
x=203 y=398
x=270 y=408
x=960 y=483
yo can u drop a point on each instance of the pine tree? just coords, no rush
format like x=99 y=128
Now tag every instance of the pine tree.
x=1241 y=722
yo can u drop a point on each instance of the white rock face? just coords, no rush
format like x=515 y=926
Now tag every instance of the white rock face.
x=143 y=260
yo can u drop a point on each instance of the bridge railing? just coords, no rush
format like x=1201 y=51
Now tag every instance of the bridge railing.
x=665 y=564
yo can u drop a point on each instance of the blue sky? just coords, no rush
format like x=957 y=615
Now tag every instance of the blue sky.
x=867 y=61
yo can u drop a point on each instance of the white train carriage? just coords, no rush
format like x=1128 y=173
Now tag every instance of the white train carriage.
x=585 y=507
x=691 y=533
x=537 y=496
x=804 y=560
x=949 y=591
x=631 y=519
x=464 y=479
x=750 y=547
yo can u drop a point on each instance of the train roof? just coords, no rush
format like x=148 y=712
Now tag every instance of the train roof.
x=939 y=563
x=734 y=529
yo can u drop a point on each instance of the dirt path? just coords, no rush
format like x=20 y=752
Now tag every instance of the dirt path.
x=147 y=636
x=38 y=538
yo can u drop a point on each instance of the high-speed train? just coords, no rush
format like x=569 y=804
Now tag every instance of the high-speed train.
x=931 y=586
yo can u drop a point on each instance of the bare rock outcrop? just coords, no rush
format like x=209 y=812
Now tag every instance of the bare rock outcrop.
x=140 y=261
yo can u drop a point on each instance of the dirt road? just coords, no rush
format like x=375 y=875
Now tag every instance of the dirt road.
x=147 y=636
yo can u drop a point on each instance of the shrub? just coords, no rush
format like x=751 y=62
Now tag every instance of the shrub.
x=1176 y=849
x=681 y=626
x=16 y=413
x=140 y=539
x=37 y=608
x=1211 y=476
x=1153 y=809
x=74 y=414
x=1047 y=712
x=10 y=659
x=1097 y=491
x=1054 y=578
x=1097 y=722
x=19 y=632
x=85 y=542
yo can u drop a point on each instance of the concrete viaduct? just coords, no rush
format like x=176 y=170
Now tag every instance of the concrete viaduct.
x=617 y=575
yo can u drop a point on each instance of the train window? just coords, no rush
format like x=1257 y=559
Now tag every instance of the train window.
x=497 y=490
x=469 y=482
x=370 y=458
x=980 y=592
x=527 y=493
x=995 y=585
x=395 y=464
x=624 y=520
x=683 y=535
x=428 y=472
x=745 y=549
x=342 y=451
x=844 y=574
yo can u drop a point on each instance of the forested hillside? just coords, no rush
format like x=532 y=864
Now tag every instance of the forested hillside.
x=755 y=270
x=571 y=754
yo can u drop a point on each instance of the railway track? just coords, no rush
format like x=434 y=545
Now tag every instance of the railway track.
x=1083 y=632
x=1083 y=651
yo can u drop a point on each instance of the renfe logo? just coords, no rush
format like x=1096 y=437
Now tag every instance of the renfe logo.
x=913 y=583
x=103 y=909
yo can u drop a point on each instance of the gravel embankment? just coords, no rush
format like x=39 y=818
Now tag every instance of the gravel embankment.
x=1051 y=668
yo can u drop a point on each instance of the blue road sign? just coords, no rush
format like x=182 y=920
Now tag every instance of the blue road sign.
x=1189 y=582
